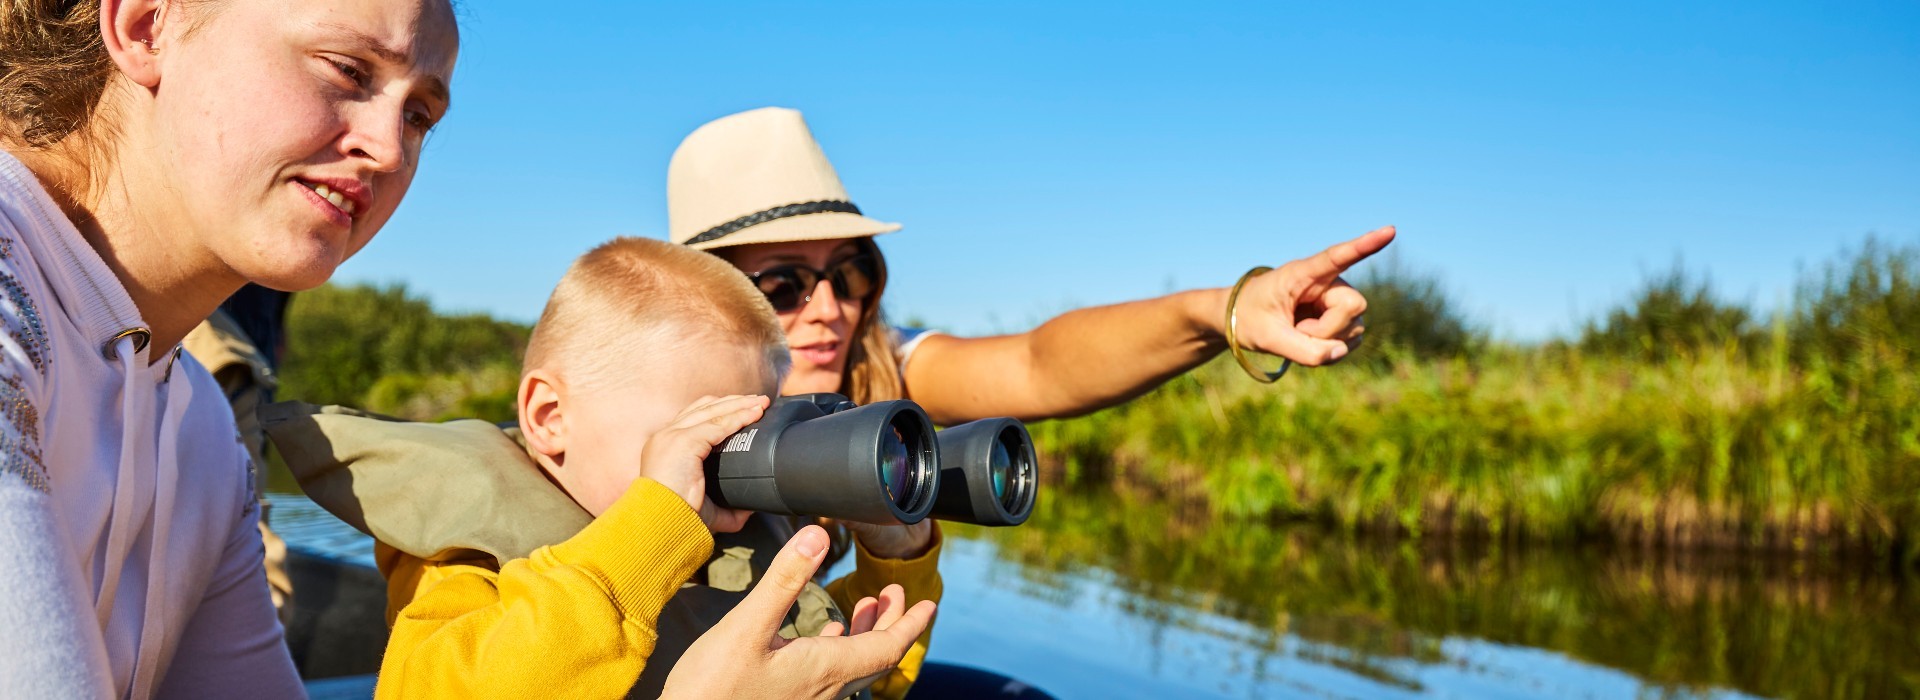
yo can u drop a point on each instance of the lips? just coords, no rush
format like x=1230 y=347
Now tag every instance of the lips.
x=338 y=199
x=817 y=354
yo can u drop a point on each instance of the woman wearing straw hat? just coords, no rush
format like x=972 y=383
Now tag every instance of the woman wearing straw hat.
x=756 y=189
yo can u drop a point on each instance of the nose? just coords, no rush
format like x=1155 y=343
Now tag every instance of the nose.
x=822 y=306
x=377 y=134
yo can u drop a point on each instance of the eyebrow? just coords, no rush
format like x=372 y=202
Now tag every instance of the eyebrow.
x=436 y=88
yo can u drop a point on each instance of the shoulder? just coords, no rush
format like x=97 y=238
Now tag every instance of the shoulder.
x=24 y=343
x=909 y=340
x=25 y=353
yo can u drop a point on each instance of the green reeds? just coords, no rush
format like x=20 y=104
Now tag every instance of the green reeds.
x=1800 y=439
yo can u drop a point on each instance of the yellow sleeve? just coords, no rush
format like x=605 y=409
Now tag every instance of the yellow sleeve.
x=575 y=619
x=920 y=576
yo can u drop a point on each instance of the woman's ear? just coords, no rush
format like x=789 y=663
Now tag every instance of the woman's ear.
x=131 y=30
x=542 y=419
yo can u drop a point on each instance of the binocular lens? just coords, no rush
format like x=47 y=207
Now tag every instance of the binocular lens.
x=1000 y=465
x=894 y=463
x=1010 y=473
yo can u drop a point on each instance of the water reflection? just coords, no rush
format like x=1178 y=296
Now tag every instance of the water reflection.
x=1104 y=596
x=1390 y=612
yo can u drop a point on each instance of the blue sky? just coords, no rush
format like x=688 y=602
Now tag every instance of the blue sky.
x=1539 y=157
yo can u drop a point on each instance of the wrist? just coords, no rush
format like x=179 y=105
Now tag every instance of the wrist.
x=690 y=494
x=910 y=542
x=1206 y=311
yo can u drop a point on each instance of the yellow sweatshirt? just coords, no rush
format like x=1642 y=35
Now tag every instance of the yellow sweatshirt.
x=577 y=619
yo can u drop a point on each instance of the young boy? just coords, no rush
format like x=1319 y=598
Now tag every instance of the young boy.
x=648 y=354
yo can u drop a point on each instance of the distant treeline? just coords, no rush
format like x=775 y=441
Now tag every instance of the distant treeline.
x=386 y=350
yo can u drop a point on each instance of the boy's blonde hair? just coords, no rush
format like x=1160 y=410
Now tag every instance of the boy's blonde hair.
x=630 y=297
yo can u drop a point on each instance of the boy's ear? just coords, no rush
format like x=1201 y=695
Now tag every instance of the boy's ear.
x=542 y=420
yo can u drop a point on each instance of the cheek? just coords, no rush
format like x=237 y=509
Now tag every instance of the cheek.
x=851 y=310
x=388 y=191
x=227 y=137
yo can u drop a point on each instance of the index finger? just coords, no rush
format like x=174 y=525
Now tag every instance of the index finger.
x=765 y=606
x=1330 y=263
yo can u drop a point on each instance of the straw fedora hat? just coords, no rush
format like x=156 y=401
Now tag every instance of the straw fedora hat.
x=758 y=177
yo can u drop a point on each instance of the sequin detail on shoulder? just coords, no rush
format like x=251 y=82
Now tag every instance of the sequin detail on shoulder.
x=26 y=328
x=20 y=435
x=19 y=416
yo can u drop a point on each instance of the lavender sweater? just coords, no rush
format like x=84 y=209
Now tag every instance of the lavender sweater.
x=130 y=563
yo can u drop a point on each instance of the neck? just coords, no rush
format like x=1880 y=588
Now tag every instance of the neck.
x=173 y=284
x=550 y=468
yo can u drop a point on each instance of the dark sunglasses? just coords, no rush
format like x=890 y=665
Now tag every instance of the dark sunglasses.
x=789 y=287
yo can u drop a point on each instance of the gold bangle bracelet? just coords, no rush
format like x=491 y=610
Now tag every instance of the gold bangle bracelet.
x=1233 y=340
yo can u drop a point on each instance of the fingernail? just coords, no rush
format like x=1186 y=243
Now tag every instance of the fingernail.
x=811 y=541
x=1339 y=351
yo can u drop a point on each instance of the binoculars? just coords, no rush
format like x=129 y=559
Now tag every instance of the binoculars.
x=882 y=463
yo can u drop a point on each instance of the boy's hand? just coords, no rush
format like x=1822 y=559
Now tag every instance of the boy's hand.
x=744 y=655
x=676 y=456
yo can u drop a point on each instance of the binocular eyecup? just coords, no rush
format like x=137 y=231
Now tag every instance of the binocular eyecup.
x=821 y=455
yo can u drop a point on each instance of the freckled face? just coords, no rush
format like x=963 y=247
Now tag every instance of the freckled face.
x=288 y=132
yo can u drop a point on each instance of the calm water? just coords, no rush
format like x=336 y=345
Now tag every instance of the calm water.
x=1099 y=597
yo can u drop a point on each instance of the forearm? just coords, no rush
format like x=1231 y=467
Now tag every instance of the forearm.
x=1079 y=362
x=919 y=577
x=1103 y=356
x=576 y=618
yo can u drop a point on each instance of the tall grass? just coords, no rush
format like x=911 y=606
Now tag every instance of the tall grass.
x=1806 y=437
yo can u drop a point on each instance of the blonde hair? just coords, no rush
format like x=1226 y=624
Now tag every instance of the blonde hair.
x=873 y=358
x=55 y=76
x=641 y=292
x=53 y=69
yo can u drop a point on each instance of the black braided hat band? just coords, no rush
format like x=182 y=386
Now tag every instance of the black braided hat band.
x=766 y=215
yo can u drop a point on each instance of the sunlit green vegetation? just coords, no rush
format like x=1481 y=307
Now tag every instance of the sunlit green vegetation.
x=386 y=350
x=1674 y=420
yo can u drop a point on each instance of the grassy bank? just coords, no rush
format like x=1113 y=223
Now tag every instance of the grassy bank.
x=1675 y=420
x=1716 y=450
